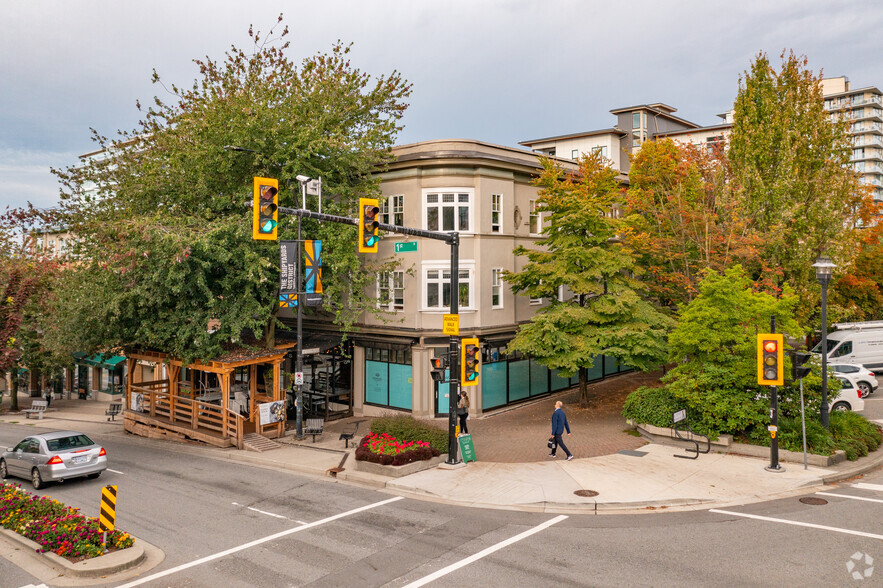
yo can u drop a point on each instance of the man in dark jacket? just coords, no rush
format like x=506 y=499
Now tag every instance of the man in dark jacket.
x=559 y=424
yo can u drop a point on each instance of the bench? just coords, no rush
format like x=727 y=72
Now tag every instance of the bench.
x=113 y=409
x=349 y=432
x=314 y=427
x=38 y=407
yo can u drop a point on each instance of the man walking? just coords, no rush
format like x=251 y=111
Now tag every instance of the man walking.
x=559 y=424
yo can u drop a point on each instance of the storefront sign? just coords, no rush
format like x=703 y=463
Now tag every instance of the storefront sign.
x=467 y=449
x=272 y=412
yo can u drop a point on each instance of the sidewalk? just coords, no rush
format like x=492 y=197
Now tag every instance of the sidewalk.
x=646 y=477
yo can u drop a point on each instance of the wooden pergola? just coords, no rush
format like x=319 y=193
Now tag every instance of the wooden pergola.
x=219 y=415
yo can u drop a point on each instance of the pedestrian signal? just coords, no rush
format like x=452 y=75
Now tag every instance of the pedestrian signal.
x=437 y=367
x=469 y=362
x=368 y=225
x=798 y=371
x=770 y=367
x=265 y=214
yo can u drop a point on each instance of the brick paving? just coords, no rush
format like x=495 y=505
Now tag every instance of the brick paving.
x=519 y=434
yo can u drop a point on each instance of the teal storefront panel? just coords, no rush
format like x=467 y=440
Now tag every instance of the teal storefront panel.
x=493 y=385
x=400 y=386
x=376 y=382
x=539 y=378
x=559 y=382
x=519 y=379
x=596 y=372
x=444 y=397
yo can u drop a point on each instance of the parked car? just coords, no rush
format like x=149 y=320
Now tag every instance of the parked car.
x=849 y=397
x=53 y=457
x=867 y=381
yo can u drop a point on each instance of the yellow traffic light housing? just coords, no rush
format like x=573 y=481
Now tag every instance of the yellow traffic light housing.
x=368 y=225
x=265 y=212
x=469 y=362
x=770 y=360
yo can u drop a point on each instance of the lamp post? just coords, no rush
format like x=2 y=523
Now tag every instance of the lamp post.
x=824 y=268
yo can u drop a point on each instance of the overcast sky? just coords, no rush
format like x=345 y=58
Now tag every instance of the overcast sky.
x=500 y=71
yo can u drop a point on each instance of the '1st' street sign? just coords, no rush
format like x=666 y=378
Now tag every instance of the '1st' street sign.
x=406 y=246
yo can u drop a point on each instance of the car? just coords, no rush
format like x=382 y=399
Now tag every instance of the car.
x=867 y=381
x=53 y=457
x=849 y=397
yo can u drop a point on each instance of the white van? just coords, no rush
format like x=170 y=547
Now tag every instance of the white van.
x=860 y=343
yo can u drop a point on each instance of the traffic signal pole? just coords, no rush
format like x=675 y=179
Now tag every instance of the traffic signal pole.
x=452 y=239
x=774 y=418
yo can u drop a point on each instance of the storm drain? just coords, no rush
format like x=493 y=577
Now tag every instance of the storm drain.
x=632 y=452
x=586 y=493
x=812 y=500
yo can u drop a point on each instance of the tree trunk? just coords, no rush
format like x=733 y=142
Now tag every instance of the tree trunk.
x=13 y=390
x=583 y=389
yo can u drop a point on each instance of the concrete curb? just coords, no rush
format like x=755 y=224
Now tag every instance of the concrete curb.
x=96 y=567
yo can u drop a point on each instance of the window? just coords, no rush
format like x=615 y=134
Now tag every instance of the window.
x=448 y=211
x=497 y=287
x=636 y=120
x=844 y=349
x=391 y=291
x=536 y=300
x=438 y=288
x=388 y=376
x=602 y=150
x=496 y=213
x=392 y=212
x=574 y=154
x=536 y=219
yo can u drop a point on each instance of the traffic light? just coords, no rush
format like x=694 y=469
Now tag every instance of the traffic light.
x=437 y=366
x=265 y=214
x=368 y=231
x=798 y=358
x=469 y=363
x=770 y=367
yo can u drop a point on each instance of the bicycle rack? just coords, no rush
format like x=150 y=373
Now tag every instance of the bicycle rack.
x=681 y=431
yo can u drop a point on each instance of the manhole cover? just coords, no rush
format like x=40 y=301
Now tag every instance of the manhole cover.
x=586 y=493
x=813 y=500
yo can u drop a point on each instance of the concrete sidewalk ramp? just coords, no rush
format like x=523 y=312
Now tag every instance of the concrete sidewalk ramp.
x=653 y=480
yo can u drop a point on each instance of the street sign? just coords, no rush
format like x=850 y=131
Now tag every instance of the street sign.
x=451 y=324
x=406 y=246
x=312 y=299
x=314 y=187
x=298 y=378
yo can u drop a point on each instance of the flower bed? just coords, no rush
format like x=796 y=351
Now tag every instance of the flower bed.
x=57 y=528
x=385 y=449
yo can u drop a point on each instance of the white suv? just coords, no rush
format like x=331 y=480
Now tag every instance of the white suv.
x=867 y=381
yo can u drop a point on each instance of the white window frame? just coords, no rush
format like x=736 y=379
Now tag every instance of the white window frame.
x=602 y=149
x=467 y=275
x=533 y=212
x=574 y=153
x=497 y=287
x=391 y=282
x=392 y=211
x=497 y=208
x=535 y=301
x=457 y=192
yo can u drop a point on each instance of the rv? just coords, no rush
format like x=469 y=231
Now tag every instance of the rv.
x=860 y=343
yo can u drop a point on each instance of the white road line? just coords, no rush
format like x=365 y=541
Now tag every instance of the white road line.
x=250 y=544
x=115 y=471
x=864 y=486
x=269 y=514
x=485 y=552
x=848 y=496
x=797 y=523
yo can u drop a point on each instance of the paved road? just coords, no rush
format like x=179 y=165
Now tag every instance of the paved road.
x=222 y=524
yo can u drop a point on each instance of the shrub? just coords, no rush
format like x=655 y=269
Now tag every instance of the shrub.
x=652 y=406
x=407 y=428
x=854 y=434
x=848 y=431
x=54 y=526
x=790 y=435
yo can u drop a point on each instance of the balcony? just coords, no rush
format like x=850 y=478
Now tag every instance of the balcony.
x=867 y=141
x=865 y=127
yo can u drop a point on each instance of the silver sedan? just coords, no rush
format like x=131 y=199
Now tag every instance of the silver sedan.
x=53 y=457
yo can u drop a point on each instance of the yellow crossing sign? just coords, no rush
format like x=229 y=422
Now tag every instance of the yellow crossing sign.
x=107 y=514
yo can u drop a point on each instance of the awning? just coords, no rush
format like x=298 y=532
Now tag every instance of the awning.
x=110 y=362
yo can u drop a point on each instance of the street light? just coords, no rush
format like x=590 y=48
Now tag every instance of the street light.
x=824 y=268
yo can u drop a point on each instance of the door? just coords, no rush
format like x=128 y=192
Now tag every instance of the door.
x=442 y=396
x=17 y=461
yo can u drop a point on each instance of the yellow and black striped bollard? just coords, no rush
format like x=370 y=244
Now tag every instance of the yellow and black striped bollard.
x=107 y=513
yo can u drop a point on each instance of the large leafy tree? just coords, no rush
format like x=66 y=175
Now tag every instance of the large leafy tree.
x=164 y=217
x=580 y=251
x=791 y=161
x=684 y=215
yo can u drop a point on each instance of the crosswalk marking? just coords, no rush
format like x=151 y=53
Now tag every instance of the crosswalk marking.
x=850 y=496
x=797 y=523
x=864 y=486
x=485 y=552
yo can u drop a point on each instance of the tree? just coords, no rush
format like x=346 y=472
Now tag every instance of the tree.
x=858 y=290
x=791 y=161
x=165 y=232
x=580 y=251
x=684 y=215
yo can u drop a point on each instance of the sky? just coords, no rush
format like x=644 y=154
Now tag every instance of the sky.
x=499 y=71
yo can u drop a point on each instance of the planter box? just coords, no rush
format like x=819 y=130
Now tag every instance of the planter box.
x=725 y=444
x=397 y=471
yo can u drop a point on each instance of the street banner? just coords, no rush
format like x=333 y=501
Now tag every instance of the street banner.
x=313 y=266
x=287 y=274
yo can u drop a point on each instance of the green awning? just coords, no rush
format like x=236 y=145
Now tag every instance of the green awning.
x=110 y=362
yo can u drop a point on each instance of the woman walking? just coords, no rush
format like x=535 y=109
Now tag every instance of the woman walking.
x=463 y=412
